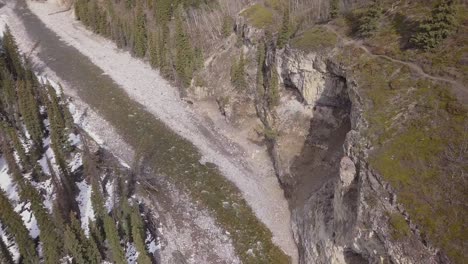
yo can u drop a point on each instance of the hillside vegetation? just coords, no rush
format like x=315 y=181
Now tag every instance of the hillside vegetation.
x=408 y=57
x=418 y=127
x=57 y=202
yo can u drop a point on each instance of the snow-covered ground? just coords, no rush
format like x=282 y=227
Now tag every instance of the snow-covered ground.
x=85 y=205
x=10 y=244
x=148 y=88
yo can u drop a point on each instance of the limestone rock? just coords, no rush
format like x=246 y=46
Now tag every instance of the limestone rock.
x=347 y=171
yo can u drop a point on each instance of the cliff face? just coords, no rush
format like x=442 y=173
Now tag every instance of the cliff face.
x=346 y=217
x=307 y=110
x=342 y=210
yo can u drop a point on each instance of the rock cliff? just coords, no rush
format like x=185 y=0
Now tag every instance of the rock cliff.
x=345 y=214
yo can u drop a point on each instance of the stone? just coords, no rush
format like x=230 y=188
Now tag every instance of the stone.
x=347 y=171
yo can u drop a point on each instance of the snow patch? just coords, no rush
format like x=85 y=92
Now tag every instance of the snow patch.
x=110 y=197
x=74 y=139
x=45 y=167
x=131 y=254
x=24 y=209
x=48 y=192
x=152 y=244
x=85 y=205
x=6 y=183
x=10 y=244
x=76 y=162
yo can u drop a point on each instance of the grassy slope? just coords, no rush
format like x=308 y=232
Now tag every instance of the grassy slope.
x=418 y=128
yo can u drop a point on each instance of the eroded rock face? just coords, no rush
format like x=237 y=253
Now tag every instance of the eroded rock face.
x=347 y=171
x=340 y=206
x=308 y=74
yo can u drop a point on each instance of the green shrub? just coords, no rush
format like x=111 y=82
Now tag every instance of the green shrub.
x=314 y=39
x=442 y=24
x=369 y=20
x=399 y=225
x=260 y=16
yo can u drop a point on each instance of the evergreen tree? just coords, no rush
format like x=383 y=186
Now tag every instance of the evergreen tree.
x=5 y=256
x=260 y=62
x=153 y=47
x=184 y=54
x=334 y=8
x=29 y=110
x=227 y=26
x=163 y=11
x=163 y=52
x=52 y=245
x=238 y=73
x=140 y=38
x=73 y=247
x=273 y=95
x=12 y=55
x=285 y=31
x=12 y=135
x=14 y=225
x=9 y=94
x=369 y=20
x=76 y=243
x=96 y=237
x=59 y=135
x=198 y=59
x=441 y=25
x=112 y=237
x=138 y=235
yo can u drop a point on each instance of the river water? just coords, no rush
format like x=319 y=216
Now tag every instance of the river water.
x=165 y=152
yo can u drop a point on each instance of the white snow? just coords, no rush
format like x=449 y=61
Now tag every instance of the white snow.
x=74 y=139
x=76 y=162
x=44 y=165
x=85 y=205
x=10 y=244
x=131 y=254
x=24 y=209
x=110 y=199
x=45 y=80
x=152 y=244
x=6 y=183
x=48 y=192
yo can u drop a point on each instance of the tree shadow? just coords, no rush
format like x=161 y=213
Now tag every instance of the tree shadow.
x=406 y=28
x=319 y=159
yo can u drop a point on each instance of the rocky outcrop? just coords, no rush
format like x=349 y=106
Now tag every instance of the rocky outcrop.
x=346 y=216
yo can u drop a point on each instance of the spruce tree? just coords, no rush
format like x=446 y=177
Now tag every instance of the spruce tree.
x=153 y=47
x=227 y=26
x=51 y=239
x=441 y=25
x=138 y=235
x=12 y=55
x=369 y=20
x=238 y=74
x=73 y=247
x=140 y=37
x=260 y=62
x=334 y=8
x=29 y=110
x=5 y=256
x=14 y=225
x=163 y=11
x=9 y=95
x=112 y=237
x=285 y=31
x=82 y=249
x=184 y=53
